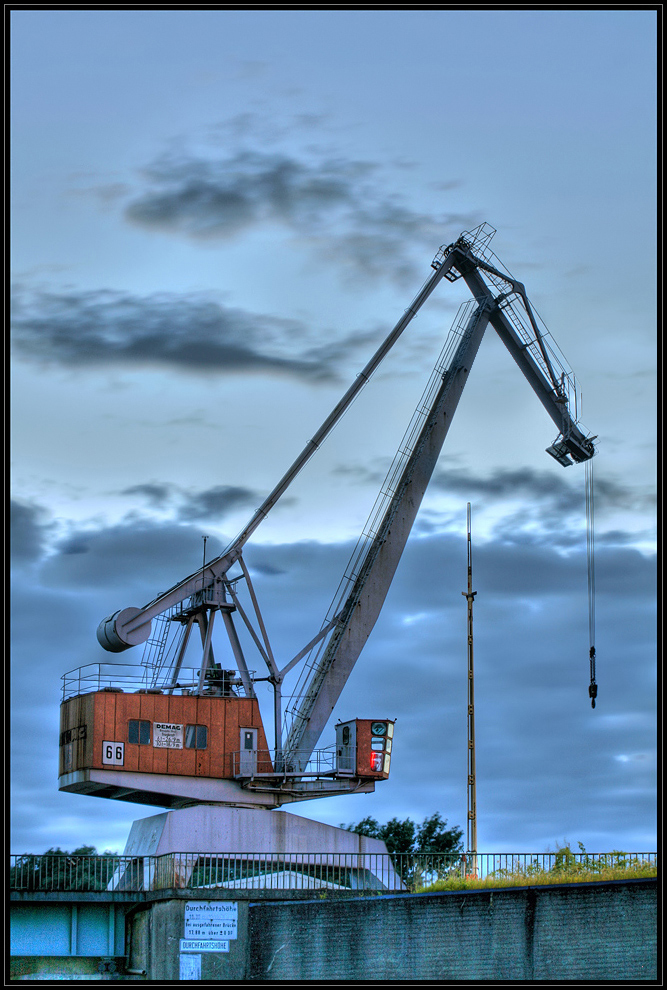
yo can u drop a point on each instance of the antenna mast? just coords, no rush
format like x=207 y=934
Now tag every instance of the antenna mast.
x=472 y=787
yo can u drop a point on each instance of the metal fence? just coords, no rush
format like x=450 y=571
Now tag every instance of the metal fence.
x=359 y=872
x=131 y=679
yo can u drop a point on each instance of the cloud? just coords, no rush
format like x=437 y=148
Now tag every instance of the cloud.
x=527 y=506
x=539 y=486
x=157 y=495
x=344 y=209
x=218 y=501
x=550 y=506
x=29 y=532
x=144 y=555
x=190 y=332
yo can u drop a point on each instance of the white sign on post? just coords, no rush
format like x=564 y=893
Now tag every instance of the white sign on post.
x=167 y=735
x=189 y=967
x=211 y=919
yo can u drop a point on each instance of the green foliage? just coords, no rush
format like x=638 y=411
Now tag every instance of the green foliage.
x=430 y=849
x=82 y=869
x=434 y=836
x=407 y=837
x=567 y=867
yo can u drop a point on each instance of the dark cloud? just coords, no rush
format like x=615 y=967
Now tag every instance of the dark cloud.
x=29 y=532
x=552 y=504
x=217 y=502
x=567 y=495
x=540 y=507
x=206 y=198
x=157 y=495
x=191 y=332
x=146 y=556
x=343 y=208
x=211 y=503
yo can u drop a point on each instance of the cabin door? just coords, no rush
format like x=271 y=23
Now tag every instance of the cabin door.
x=248 y=756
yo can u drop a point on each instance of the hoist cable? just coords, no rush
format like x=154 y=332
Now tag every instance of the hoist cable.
x=590 y=561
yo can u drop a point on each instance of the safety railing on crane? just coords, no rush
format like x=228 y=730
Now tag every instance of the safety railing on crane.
x=132 y=679
x=271 y=763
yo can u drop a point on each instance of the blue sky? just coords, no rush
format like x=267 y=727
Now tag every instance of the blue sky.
x=217 y=215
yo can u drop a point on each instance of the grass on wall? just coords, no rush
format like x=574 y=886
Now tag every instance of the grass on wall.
x=567 y=868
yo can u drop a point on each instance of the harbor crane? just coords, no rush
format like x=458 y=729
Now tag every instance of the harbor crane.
x=165 y=734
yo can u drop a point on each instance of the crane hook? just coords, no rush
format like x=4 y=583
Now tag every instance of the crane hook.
x=593 y=688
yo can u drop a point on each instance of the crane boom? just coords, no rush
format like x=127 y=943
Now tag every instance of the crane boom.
x=375 y=573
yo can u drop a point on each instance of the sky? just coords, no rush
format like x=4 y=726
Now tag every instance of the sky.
x=217 y=215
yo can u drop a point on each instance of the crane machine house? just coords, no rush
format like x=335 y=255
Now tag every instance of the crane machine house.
x=170 y=735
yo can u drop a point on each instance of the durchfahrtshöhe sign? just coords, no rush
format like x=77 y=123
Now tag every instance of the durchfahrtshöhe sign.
x=203 y=945
x=205 y=920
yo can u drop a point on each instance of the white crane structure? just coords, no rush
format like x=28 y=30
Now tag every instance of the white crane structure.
x=223 y=585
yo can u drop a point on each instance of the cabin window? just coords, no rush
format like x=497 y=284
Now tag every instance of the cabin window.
x=139 y=731
x=196 y=737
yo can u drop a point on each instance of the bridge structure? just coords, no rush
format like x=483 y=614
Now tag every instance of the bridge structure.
x=223 y=917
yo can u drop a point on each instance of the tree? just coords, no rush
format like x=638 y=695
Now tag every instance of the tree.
x=420 y=853
x=407 y=837
x=82 y=869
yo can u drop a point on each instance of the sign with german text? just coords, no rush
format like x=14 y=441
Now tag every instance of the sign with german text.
x=211 y=919
x=167 y=735
x=204 y=945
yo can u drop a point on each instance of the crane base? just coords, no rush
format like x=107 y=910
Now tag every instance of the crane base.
x=242 y=848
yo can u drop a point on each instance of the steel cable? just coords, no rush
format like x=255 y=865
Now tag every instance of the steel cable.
x=590 y=561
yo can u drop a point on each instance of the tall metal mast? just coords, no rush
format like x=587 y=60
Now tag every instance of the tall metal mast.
x=472 y=786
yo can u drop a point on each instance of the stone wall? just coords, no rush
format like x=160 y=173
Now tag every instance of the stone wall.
x=596 y=931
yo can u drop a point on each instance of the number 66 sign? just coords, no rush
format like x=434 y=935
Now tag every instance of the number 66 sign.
x=113 y=752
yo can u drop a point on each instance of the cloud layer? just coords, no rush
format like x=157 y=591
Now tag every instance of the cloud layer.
x=342 y=209
x=211 y=503
x=191 y=332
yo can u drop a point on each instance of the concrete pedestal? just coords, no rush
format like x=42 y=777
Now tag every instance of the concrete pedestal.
x=260 y=849
x=211 y=829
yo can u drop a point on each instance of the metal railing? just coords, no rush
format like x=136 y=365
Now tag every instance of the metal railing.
x=269 y=763
x=131 y=679
x=359 y=872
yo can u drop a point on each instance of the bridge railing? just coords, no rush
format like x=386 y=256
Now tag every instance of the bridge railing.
x=358 y=872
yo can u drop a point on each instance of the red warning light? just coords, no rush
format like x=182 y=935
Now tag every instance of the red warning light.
x=376 y=762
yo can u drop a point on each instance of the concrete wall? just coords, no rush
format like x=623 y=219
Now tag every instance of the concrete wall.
x=154 y=936
x=586 y=932
x=600 y=931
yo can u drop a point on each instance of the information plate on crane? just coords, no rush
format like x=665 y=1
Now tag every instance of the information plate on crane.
x=167 y=735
